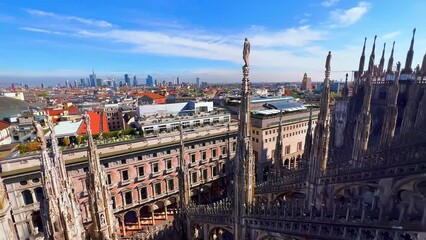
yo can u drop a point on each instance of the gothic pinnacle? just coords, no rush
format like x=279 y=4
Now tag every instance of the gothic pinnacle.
x=410 y=54
x=362 y=60
x=372 y=57
x=382 y=60
x=390 y=62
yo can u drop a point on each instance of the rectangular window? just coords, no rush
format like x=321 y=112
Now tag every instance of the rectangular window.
x=287 y=149
x=234 y=146
x=157 y=188
x=204 y=155
x=168 y=152
x=299 y=146
x=168 y=164
x=155 y=168
x=214 y=170
x=205 y=174
x=223 y=168
x=194 y=177
x=144 y=193
x=214 y=153
x=128 y=198
x=223 y=150
x=141 y=171
x=171 y=184
x=113 y=202
x=109 y=179
x=123 y=161
x=124 y=175
x=193 y=158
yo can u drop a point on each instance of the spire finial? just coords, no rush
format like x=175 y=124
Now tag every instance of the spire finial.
x=390 y=62
x=372 y=57
x=362 y=60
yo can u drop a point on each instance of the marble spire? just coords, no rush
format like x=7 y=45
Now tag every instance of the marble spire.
x=382 y=62
x=60 y=211
x=390 y=62
x=308 y=142
x=357 y=80
x=104 y=224
x=184 y=186
x=410 y=55
x=345 y=90
x=319 y=152
x=391 y=113
x=244 y=161
x=363 y=121
x=278 y=156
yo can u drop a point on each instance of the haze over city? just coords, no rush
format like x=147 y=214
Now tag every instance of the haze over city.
x=51 y=42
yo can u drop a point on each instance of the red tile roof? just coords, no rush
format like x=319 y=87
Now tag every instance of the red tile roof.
x=4 y=125
x=151 y=95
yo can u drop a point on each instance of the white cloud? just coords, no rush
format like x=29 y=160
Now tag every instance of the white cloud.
x=40 y=30
x=89 y=22
x=391 y=35
x=329 y=3
x=349 y=16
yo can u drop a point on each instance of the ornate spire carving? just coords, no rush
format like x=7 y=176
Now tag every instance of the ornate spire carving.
x=391 y=114
x=59 y=209
x=184 y=188
x=382 y=62
x=390 y=62
x=345 y=90
x=319 y=153
x=360 y=68
x=372 y=57
x=410 y=54
x=308 y=142
x=244 y=161
x=104 y=224
x=363 y=122
x=278 y=158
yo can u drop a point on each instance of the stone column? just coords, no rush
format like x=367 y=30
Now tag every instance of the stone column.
x=165 y=211
x=153 y=216
x=139 y=220
x=33 y=195
x=123 y=226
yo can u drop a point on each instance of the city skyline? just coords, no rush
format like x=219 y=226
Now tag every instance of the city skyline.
x=52 y=43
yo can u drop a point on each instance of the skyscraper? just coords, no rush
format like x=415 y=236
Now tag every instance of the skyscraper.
x=177 y=81
x=127 y=80
x=92 y=79
x=135 y=81
x=149 y=81
x=198 y=82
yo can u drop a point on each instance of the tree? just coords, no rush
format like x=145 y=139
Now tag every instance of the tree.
x=66 y=141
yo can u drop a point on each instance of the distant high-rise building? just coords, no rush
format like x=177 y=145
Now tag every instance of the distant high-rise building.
x=127 y=80
x=155 y=82
x=42 y=85
x=99 y=82
x=67 y=83
x=135 y=81
x=177 y=81
x=92 y=79
x=198 y=83
x=306 y=83
x=75 y=83
x=82 y=82
x=149 y=81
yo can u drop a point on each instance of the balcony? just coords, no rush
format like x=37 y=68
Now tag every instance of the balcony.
x=167 y=171
x=154 y=175
x=124 y=183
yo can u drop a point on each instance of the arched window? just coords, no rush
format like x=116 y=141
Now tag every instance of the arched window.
x=39 y=194
x=28 y=197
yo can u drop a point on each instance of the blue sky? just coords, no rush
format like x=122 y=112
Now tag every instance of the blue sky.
x=50 y=41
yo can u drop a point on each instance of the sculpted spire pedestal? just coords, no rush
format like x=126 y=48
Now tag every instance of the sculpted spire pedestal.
x=104 y=224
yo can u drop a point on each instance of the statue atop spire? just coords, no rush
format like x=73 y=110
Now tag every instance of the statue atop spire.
x=104 y=224
x=345 y=90
x=246 y=52
x=390 y=62
x=410 y=54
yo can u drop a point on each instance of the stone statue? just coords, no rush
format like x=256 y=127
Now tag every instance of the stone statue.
x=327 y=62
x=246 y=52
